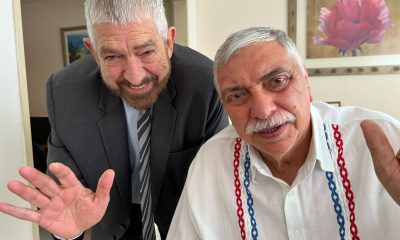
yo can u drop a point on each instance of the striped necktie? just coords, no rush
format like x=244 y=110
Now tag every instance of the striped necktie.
x=143 y=128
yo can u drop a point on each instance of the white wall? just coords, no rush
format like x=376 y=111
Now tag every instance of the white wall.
x=42 y=21
x=210 y=22
x=378 y=92
x=15 y=143
x=180 y=21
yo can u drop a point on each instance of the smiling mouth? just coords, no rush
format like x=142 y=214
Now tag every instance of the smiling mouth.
x=141 y=86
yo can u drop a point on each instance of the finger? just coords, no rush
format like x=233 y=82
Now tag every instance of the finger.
x=19 y=212
x=104 y=185
x=33 y=196
x=46 y=184
x=64 y=174
x=381 y=151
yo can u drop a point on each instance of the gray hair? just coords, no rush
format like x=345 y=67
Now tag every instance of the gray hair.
x=246 y=37
x=119 y=12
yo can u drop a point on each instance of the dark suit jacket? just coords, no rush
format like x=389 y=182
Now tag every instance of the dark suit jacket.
x=89 y=133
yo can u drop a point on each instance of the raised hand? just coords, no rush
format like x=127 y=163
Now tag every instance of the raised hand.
x=386 y=163
x=65 y=210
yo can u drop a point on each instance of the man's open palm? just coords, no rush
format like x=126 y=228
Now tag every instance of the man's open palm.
x=386 y=163
x=65 y=210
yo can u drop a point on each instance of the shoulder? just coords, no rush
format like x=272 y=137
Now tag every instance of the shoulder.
x=190 y=68
x=79 y=72
x=191 y=80
x=348 y=119
x=79 y=81
x=78 y=84
x=220 y=147
x=212 y=164
x=348 y=115
x=185 y=56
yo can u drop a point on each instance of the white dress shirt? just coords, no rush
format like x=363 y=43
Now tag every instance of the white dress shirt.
x=305 y=210
x=131 y=116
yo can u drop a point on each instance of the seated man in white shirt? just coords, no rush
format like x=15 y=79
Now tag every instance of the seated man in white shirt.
x=288 y=168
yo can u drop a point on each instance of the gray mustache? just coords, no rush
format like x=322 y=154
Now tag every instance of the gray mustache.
x=272 y=121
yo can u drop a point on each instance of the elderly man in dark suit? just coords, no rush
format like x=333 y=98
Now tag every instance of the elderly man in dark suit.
x=93 y=107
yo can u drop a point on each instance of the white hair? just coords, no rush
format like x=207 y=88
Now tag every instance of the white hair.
x=121 y=12
x=250 y=36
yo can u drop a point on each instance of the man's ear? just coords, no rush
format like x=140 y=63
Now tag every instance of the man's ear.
x=170 y=40
x=88 y=44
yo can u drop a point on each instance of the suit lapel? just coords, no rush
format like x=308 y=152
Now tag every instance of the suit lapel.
x=162 y=131
x=114 y=136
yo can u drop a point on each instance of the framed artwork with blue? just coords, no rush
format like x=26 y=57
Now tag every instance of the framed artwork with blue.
x=72 y=43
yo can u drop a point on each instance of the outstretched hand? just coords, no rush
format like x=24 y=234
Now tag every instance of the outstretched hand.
x=386 y=163
x=65 y=210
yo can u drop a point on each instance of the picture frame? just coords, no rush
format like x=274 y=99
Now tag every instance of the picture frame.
x=72 y=43
x=297 y=31
x=335 y=103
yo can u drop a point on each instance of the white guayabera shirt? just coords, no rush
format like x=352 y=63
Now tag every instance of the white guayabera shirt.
x=336 y=194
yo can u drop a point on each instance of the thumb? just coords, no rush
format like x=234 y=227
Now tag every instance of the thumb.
x=377 y=141
x=381 y=151
x=105 y=184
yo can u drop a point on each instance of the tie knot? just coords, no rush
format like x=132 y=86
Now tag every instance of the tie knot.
x=142 y=112
x=143 y=117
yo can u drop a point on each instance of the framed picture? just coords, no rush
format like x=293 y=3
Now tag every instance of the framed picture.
x=330 y=50
x=335 y=103
x=72 y=42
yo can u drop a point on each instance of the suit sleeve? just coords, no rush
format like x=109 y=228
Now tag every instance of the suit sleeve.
x=57 y=151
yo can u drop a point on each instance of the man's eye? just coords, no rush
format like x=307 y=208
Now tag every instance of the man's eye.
x=278 y=82
x=236 y=98
x=148 y=53
x=111 y=58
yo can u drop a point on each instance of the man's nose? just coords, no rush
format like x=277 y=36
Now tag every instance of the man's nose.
x=262 y=105
x=134 y=71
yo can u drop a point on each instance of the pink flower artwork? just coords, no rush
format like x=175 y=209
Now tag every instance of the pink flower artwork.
x=350 y=23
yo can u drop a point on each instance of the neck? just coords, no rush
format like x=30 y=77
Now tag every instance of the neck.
x=286 y=166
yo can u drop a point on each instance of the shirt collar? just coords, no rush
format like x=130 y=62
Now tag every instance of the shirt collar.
x=320 y=142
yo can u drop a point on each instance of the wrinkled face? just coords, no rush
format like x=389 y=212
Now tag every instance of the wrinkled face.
x=267 y=97
x=133 y=60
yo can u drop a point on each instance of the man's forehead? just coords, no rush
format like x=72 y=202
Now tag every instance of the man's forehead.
x=136 y=28
x=115 y=46
x=139 y=21
x=110 y=37
x=256 y=57
x=262 y=48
